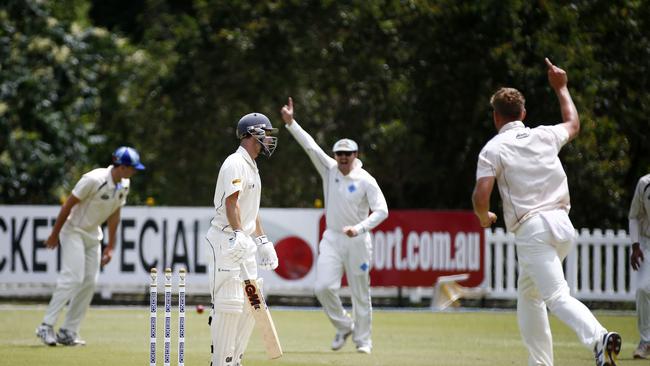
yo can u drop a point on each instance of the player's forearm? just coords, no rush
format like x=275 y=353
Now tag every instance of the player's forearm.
x=375 y=218
x=319 y=158
x=63 y=214
x=634 y=230
x=481 y=204
x=569 y=112
x=112 y=223
x=232 y=214
x=259 y=230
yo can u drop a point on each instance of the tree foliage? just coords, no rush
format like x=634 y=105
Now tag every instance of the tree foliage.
x=409 y=80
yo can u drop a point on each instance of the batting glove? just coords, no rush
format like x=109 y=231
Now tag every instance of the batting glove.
x=266 y=250
x=239 y=247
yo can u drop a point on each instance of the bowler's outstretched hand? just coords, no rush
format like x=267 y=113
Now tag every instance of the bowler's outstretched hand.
x=556 y=76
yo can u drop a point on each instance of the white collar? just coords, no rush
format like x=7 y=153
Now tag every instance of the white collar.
x=511 y=125
x=247 y=156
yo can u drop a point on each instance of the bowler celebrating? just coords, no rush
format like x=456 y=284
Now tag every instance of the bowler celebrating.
x=535 y=194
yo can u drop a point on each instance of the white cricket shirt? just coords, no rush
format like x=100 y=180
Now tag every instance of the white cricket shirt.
x=639 y=216
x=99 y=198
x=527 y=169
x=348 y=198
x=238 y=173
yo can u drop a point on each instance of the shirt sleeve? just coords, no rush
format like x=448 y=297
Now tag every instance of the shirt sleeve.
x=233 y=177
x=637 y=211
x=559 y=135
x=318 y=157
x=486 y=167
x=84 y=188
x=378 y=206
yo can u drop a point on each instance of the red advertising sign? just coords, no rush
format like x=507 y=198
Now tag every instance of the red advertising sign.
x=413 y=248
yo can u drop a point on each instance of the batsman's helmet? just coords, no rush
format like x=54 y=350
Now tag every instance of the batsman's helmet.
x=256 y=125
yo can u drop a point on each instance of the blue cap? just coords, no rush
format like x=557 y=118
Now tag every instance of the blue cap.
x=127 y=156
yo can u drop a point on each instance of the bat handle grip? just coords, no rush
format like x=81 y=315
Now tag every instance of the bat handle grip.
x=244 y=271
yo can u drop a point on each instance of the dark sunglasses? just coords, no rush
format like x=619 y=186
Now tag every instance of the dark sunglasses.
x=343 y=153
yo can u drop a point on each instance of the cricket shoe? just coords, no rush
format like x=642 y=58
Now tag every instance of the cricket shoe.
x=46 y=334
x=607 y=350
x=642 y=351
x=69 y=338
x=364 y=349
x=340 y=338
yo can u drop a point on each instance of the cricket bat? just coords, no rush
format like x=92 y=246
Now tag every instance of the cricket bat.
x=262 y=316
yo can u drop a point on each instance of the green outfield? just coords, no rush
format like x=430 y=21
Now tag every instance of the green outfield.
x=119 y=336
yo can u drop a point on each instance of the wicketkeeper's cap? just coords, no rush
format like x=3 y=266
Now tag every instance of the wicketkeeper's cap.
x=127 y=156
x=345 y=145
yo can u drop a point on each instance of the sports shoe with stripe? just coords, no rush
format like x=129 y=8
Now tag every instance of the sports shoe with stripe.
x=69 y=338
x=339 y=339
x=606 y=351
x=642 y=351
x=46 y=333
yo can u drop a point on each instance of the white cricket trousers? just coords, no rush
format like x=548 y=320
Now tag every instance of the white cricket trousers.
x=643 y=292
x=543 y=241
x=80 y=257
x=231 y=318
x=340 y=253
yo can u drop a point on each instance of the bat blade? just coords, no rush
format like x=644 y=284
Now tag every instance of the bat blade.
x=263 y=319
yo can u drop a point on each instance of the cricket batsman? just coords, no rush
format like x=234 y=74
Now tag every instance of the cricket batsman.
x=350 y=193
x=235 y=235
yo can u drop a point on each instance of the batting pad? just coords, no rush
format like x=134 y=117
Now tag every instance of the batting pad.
x=245 y=326
x=230 y=298
x=224 y=329
x=228 y=308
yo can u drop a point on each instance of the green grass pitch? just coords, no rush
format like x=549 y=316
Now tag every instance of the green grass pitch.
x=119 y=336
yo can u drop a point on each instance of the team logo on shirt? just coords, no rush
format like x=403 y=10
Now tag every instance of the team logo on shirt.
x=236 y=181
x=522 y=135
x=364 y=266
x=105 y=196
x=352 y=188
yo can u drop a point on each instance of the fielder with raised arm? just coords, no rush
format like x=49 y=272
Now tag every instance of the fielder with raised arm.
x=533 y=186
x=350 y=193
x=234 y=237
x=639 y=220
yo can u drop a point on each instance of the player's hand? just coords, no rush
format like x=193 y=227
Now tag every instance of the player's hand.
x=490 y=219
x=52 y=241
x=266 y=251
x=556 y=76
x=637 y=257
x=107 y=255
x=350 y=231
x=287 y=112
x=239 y=247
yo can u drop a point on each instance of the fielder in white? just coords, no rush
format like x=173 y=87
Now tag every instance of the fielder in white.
x=234 y=237
x=535 y=194
x=639 y=220
x=350 y=192
x=96 y=198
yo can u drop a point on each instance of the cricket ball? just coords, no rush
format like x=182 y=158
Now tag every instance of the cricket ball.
x=199 y=309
